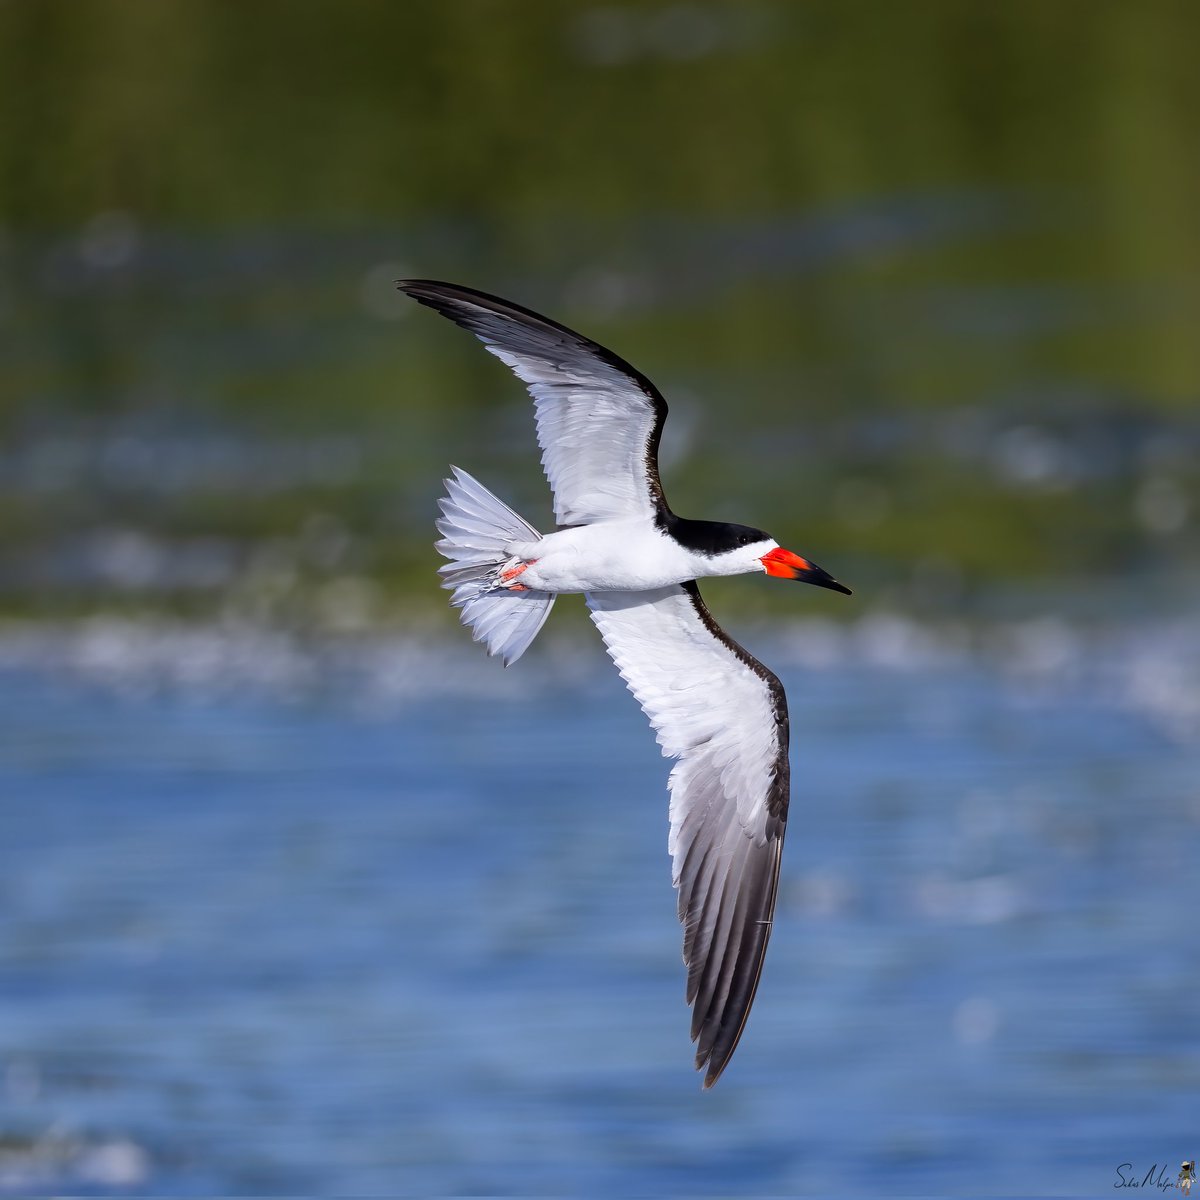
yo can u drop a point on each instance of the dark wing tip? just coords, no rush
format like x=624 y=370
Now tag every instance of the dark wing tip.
x=443 y=297
x=417 y=288
x=718 y=1029
x=468 y=307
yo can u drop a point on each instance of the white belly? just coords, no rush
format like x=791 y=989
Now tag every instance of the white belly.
x=625 y=556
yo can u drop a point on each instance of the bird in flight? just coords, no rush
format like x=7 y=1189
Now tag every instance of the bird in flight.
x=716 y=709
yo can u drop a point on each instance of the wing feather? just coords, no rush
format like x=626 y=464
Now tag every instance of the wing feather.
x=723 y=716
x=598 y=418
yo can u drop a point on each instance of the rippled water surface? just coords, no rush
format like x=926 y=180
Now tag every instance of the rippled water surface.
x=388 y=919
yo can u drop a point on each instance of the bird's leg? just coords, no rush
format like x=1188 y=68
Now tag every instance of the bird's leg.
x=509 y=572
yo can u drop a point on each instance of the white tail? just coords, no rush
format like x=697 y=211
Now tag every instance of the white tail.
x=477 y=530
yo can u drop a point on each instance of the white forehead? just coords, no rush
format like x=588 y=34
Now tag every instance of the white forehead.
x=746 y=558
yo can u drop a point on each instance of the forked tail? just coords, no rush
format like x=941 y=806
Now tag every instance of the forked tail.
x=477 y=530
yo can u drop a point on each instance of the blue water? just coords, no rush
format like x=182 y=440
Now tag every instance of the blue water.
x=390 y=926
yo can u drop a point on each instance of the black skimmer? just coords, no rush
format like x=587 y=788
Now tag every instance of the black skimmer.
x=716 y=709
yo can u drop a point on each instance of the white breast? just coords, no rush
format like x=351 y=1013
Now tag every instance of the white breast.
x=608 y=556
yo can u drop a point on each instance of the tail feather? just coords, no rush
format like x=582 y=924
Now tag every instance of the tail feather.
x=477 y=530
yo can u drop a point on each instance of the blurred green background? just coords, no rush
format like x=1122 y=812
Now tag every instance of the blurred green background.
x=921 y=282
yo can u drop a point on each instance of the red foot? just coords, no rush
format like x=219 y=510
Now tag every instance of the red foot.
x=513 y=572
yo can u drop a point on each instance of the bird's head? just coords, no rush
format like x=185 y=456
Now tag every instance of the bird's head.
x=742 y=550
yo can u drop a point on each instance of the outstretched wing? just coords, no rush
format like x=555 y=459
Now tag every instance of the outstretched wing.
x=723 y=716
x=598 y=419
